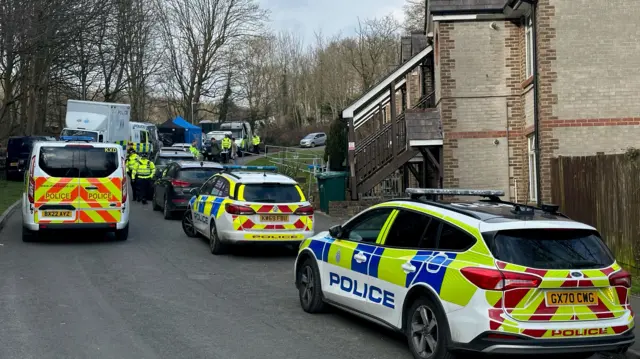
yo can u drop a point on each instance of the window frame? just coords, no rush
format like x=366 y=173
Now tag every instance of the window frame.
x=528 y=44
x=209 y=182
x=223 y=188
x=422 y=237
x=442 y=224
x=531 y=160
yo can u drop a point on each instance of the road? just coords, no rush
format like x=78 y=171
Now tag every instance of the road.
x=163 y=295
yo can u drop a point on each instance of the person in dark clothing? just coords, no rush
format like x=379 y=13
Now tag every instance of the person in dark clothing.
x=215 y=150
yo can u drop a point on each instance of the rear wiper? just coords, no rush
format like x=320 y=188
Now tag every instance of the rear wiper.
x=585 y=263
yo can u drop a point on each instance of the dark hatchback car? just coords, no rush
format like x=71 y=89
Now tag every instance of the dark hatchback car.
x=165 y=156
x=18 y=151
x=172 y=191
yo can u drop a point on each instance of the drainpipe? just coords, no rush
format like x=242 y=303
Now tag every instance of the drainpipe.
x=536 y=105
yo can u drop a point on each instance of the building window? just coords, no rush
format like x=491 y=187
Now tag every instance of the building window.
x=533 y=193
x=528 y=39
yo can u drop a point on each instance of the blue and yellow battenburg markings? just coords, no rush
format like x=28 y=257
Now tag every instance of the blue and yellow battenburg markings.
x=137 y=146
x=207 y=205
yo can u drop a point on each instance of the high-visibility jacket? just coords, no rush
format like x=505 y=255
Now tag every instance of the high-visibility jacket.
x=132 y=160
x=242 y=143
x=144 y=169
x=256 y=140
x=226 y=143
x=194 y=151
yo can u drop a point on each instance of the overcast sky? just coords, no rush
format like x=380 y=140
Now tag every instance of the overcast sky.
x=305 y=17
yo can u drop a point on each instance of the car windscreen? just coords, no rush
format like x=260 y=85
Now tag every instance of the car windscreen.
x=197 y=175
x=309 y=136
x=552 y=248
x=79 y=133
x=163 y=161
x=271 y=193
x=237 y=133
x=77 y=162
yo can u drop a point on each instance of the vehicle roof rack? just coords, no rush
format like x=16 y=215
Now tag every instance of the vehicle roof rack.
x=416 y=193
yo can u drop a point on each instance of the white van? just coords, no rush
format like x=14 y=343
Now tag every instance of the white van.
x=74 y=184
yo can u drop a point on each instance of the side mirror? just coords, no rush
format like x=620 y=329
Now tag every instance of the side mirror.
x=336 y=231
x=194 y=191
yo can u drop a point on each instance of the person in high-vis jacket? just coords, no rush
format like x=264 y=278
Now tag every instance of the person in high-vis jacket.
x=226 y=148
x=130 y=162
x=142 y=174
x=255 y=141
x=194 y=150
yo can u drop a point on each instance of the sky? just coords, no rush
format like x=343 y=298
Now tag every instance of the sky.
x=332 y=17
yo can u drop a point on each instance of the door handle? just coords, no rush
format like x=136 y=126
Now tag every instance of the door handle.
x=91 y=188
x=408 y=267
x=360 y=257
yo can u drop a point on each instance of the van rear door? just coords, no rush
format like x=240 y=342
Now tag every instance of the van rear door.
x=100 y=186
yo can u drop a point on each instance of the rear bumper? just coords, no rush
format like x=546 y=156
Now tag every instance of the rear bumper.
x=484 y=344
x=264 y=236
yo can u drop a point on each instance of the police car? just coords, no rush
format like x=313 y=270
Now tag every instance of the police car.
x=488 y=277
x=75 y=184
x=243 y=206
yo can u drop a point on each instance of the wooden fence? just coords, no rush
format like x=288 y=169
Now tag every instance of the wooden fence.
x=604 y=192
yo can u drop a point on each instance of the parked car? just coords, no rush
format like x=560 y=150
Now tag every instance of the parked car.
x=172 y=191
x=314 y=139
x=17 y=157
x=163 y=158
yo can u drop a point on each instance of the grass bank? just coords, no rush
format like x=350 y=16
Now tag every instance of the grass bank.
x=10 y=192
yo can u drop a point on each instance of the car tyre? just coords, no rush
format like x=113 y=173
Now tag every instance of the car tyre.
x=122 y=234
x=310 y=287
x=154 y=203
x=165 y=210
x=29 y=235
x=188 y=226
x=215 y=244
x=313 y=144
x=427 y=331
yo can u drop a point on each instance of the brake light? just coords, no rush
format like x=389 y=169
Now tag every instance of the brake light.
x=178 y=183
x=620 y=279
x=493 y=279
x=124 y=182
x=304 y=211
x=238 y=209
x=32 y=188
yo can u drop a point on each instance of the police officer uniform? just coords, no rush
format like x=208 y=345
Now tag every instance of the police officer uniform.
x=132 y=159
x=256 y=144
x=226 y=146
x=142 y=174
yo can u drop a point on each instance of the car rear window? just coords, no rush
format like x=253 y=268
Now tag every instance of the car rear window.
x=77 y=162
x=552 y=248
x=271 y=193
x=197 y=174
x=162 y=161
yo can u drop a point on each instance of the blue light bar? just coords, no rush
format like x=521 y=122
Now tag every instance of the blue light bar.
x=251 y=168
x=77 y=138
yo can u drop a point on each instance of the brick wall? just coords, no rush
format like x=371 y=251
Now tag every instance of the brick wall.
x=589 y=84
x=479 y=91
x=346 y=209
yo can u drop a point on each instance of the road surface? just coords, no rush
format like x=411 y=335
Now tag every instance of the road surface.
x=163 y=295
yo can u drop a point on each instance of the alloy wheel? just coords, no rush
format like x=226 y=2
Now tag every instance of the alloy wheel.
x=424 y=331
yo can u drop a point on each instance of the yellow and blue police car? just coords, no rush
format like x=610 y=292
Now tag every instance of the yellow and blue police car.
x=248 y=204
x=489 y=277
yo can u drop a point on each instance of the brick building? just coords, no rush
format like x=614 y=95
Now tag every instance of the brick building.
x=510 y=77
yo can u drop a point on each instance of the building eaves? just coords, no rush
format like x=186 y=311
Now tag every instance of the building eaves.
x=446 y=7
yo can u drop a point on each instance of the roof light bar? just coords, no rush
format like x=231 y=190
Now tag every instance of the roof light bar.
x=419 y=192
x=77 y=138
x=251 y=168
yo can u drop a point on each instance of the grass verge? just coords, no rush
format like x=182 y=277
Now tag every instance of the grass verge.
x=11 y=192
x=296 y=168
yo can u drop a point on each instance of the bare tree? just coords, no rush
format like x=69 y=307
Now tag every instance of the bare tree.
x=414 y=15
x=198 y=37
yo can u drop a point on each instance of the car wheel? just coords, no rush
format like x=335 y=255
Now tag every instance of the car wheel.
x=154 y=203
x=122 y=234
x=309 y=287
x=29 y=235
x=427 y=331
x=165 y=210
x=215 y=245
x=313 y=144
x=187 y=225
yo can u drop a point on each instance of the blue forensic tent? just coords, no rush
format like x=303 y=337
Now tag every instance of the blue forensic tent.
x=182 y=131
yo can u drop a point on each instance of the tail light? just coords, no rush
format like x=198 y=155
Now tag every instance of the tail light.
x=178 y=183
x=493 y=279
x=238 y=209
x=32 y=182
x=125 y=184
x=620 y=279
x=304 y=211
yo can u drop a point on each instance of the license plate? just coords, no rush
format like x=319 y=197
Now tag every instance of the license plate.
x=56 y=213
x=274 y=218
x=14 y=164
x=557 y=299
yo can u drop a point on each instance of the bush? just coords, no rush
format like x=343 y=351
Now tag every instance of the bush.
x=336 y=149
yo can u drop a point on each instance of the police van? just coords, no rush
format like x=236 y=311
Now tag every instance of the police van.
x=248 y=204
x=485 y=276
x=75 y=184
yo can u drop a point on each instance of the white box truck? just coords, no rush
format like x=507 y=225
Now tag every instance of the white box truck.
x=102 y=121
x=239 y=130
